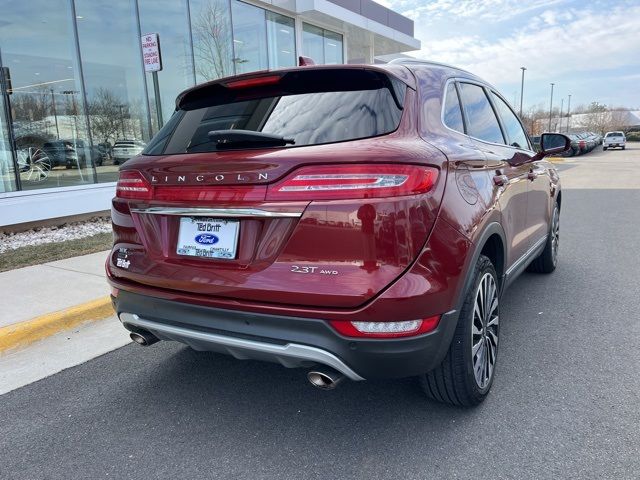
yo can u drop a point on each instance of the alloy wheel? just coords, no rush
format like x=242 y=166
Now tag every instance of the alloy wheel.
x=484 y=330
x=34 y=164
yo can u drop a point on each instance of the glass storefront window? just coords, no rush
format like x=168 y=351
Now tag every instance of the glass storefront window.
x=281 y=40
x=332 y=47
x=48 y=121
x=313 y=43
x=117 y=106
x=7 y=172
x=169 y=19
x=323 y=46
x=249 y=37
x=212 y=42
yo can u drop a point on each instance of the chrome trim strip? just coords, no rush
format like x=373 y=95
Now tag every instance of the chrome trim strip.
x=526 y=255
x=290 y=350
x=217 y=212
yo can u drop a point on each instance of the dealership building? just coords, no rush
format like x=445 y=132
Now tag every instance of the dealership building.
x=76 y=100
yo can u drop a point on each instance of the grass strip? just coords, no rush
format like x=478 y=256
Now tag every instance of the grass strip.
x=49 y=252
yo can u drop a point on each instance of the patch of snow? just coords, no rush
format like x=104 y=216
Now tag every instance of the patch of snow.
x=69 y=231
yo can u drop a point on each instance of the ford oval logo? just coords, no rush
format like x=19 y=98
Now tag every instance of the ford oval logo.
x=206 y=239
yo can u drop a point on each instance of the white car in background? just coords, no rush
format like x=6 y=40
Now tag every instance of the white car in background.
x=614 y=140
x=124 y=149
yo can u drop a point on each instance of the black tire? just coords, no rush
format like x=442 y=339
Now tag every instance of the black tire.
x=604 y=148
x=623 y=148
x=454 y=381
x=547 y=261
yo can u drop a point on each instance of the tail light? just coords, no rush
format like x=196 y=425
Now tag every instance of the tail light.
x=132 y=184
x=406 y=328
x=331 y=182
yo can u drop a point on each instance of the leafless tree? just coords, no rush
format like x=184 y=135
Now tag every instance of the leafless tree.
x=212 y=41
x=533 y=120
x=31 y=106
x=105 y=113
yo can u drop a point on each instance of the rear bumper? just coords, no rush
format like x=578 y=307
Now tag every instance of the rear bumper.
x=291 y=341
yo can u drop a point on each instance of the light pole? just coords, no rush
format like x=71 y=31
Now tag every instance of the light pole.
x=74 y=107
x=522 y=89
x=568 y=114
x=550 y=107
x=560 y=117
x=55 y=114
x=121 y=106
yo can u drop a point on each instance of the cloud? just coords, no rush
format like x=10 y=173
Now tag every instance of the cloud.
x=483 y=10
x=554 y=43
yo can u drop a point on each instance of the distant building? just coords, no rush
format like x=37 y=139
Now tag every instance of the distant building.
x=597 y=122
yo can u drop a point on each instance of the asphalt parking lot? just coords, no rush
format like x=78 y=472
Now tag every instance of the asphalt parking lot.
x=565 y=403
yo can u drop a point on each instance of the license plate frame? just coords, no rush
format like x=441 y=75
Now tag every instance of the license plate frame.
x=208 y=237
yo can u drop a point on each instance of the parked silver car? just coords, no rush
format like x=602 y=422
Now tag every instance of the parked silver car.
x=614 y=140
x=124 y=149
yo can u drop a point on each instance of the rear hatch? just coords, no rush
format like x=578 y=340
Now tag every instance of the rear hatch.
x=302 y=187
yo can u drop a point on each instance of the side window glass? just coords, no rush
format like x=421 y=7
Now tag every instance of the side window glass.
x=513 y=127
x=452 y=109
x=481 y=119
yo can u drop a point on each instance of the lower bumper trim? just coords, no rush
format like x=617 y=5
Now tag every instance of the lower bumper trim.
x=289 y=355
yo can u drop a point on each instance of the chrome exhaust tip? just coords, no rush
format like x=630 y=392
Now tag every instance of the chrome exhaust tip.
x=325 y=379
x=144 y=338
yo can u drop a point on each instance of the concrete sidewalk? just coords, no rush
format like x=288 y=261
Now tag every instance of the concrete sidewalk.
x=61 y=310
x=34 y=291
x=42 y=300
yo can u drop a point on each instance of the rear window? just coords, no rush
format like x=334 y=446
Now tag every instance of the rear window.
x=614 y=134
x=312 y=108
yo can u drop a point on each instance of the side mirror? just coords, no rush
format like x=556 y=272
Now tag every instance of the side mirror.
x=553 y=143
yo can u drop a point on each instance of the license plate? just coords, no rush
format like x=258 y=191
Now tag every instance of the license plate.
x=208 y=237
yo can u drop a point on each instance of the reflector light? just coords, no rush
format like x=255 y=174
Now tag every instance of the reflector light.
x=386 y=329
x=327 y=182
x=254 y=82
x=131 y=184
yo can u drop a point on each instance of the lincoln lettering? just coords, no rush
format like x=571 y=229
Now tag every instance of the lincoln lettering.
x=247 y=177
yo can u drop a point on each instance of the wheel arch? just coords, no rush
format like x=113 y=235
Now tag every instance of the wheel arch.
x=491 y=243
x=559 y=200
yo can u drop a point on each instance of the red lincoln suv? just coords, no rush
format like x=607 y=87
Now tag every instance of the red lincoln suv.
x=357 y=221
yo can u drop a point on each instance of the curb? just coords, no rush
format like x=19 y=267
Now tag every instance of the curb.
x=24 y=333
x=555 y=159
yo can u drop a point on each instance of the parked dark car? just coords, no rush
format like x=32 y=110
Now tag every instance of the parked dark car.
x=535 y=141
x=359 y=221
x=61 y=153
x=575 y=146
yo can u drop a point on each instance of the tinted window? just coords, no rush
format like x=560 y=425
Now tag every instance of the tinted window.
x=159 y=141
x=517 y=137
x=452 y=112
x=481 y=119
x=308 y=118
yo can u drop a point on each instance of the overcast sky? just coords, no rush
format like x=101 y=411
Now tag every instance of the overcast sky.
x=590 y=49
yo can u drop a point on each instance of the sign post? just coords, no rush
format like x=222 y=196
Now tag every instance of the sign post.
x=152 y=60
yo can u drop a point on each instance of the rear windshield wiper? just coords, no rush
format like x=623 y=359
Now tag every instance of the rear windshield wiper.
x=243 y=138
